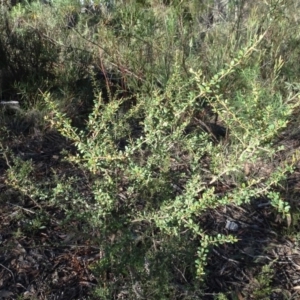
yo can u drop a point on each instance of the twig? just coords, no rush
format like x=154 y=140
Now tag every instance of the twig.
x=207 y=128
x=224 y=257
x=118 y=66
x=12 y=274
x=25 y=209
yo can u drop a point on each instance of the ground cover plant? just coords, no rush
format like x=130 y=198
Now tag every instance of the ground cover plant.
x=154 y=153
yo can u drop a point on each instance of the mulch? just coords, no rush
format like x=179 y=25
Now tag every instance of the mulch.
x=50 y=260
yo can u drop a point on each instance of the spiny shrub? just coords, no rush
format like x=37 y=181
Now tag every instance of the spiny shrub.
x=145 y=174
